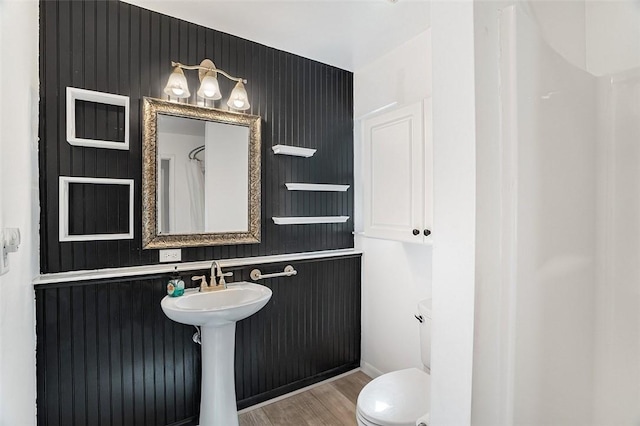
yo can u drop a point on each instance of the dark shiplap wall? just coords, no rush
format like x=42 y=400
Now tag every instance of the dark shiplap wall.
x=115 y=47
x=107 y=355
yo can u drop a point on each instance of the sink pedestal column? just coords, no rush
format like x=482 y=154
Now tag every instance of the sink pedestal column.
x=218 y=400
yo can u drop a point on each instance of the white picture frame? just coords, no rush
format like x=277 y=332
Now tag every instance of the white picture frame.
x=74 y=94
x=63 y=217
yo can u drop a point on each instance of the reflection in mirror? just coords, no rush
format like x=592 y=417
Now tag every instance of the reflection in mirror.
x=214 y=198
x=201 y=176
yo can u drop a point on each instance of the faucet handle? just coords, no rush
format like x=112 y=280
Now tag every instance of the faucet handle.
x=221 y=276
x=203 y=281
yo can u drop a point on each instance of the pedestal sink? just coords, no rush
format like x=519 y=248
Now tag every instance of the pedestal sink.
x=216 y=312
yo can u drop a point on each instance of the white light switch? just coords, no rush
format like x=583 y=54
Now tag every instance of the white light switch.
x=170 y=255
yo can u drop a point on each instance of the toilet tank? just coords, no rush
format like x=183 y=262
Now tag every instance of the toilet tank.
x=424 y=308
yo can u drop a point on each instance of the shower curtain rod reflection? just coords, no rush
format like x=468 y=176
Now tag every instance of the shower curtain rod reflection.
x=194 y=152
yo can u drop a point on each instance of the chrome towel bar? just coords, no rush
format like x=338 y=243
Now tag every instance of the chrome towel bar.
x=288 y=272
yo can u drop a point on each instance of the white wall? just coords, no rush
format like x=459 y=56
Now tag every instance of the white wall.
x=19 y=207
x=617 y=332
x=402 y=75
x=562 y=24
x=454 y=152
x=612 y=36
x=602 y=37
x=3 y=320
x=395 y=276
x=555 y=171
x=556 y=341
x=490 y=403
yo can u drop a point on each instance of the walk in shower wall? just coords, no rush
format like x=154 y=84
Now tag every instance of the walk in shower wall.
x=571 y=180
x=617 y=332
x=550 y=123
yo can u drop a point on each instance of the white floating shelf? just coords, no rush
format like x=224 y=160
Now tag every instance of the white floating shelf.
x=293 y=150
x=304 y=220
x=316 y=187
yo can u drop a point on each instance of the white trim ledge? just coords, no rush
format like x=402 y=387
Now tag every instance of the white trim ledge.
x=133 y=271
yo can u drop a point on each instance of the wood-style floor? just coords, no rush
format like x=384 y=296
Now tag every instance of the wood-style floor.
x=330 y=404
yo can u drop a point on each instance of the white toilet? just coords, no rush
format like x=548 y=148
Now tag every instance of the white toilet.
x=400 y=398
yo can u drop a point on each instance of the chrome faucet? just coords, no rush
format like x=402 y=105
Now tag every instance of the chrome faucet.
x=216 y=272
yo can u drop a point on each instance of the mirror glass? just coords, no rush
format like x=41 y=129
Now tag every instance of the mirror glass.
x=203 y=176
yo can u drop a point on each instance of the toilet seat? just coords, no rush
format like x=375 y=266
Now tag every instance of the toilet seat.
x=398 y=398
x=362 y=421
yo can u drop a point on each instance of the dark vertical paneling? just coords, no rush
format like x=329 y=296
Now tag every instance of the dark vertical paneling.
x=310 y=329
x=119 y=48
x=98 y=359
x=107 y=355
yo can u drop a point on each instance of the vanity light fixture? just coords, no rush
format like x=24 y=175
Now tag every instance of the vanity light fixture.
x=177 y=86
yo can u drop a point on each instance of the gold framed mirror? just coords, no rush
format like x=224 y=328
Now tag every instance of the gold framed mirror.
x=200 y=176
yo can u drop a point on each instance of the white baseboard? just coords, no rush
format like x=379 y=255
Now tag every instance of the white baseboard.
x=287 y=395
x=370 y=370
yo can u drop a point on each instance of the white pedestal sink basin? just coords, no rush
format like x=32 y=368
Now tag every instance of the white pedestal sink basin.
x=216 y=312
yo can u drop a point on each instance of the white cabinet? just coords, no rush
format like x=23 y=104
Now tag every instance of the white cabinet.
x=397 y=170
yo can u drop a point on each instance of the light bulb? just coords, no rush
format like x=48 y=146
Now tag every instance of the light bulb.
x=177 y=86
x=238 y=98
x=209 y=87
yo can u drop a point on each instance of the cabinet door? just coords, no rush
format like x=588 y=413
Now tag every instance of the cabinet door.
x=394 y=174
